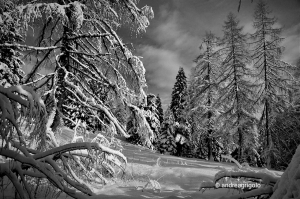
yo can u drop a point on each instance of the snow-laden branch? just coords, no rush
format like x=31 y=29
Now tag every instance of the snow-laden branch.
x=233 y=160
x=78 y=146
x=39 y=79
x=89 y=54
x=267 y=176
x=82 y=36
x=26 y=47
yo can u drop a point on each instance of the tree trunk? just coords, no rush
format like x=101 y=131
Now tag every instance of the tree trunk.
x=64 y=61
x=209 y=115
x=240 y=153
x=209 y=145
x=179 y=149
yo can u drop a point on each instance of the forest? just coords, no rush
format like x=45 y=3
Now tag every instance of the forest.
x=71 y=129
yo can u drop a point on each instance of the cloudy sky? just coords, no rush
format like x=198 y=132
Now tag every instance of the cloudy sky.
x=172 y=40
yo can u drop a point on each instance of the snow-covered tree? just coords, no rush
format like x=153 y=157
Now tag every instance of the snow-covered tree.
x=139 y=128
x=273 y=77
x=87 y=48
x=10 y=56
x=166 y=140
x=202 y=92
x=152 y=114
x=236 y=93
x=182 y=132
x=78 y=41
x=179 y=96
x=169 y=116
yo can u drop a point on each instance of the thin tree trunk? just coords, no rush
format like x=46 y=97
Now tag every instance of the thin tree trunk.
x=240 y=133
x=209 y=115
x=266 y=105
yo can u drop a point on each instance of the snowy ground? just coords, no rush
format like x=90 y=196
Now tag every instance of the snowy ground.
x=176 y=177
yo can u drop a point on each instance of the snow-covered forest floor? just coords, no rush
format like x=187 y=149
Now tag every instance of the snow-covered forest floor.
x=177 y=177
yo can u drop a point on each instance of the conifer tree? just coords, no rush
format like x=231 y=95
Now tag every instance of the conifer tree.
x=166 y=140
x=202 y=91
x=160 y=110
x=178 y=96
x=273 y=77
x=10 y=56
x=236 y=93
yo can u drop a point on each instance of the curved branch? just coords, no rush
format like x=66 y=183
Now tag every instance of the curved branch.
x=78 y=146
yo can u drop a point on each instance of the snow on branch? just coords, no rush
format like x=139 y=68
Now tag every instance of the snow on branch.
x=33 y=11
x=88 y=54
x=31 y=108
x=267 y=176
x=79 y=146
x=142 y=127
x=26 y=47
x=82 y=36
x=233 y=160
x=39 y=79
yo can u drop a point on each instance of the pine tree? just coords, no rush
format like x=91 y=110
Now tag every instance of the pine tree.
x=178 y=96
x=166 y=140
x=236 y=93
x=273 y=77
x=159 y=109
x=10 y=56
x=202 y=92
x=169 y=116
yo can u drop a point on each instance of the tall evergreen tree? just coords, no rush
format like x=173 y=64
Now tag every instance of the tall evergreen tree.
x=178 y=96
x=273 y=77
x=236 y=92
x=160 y=110
x=202 y=92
